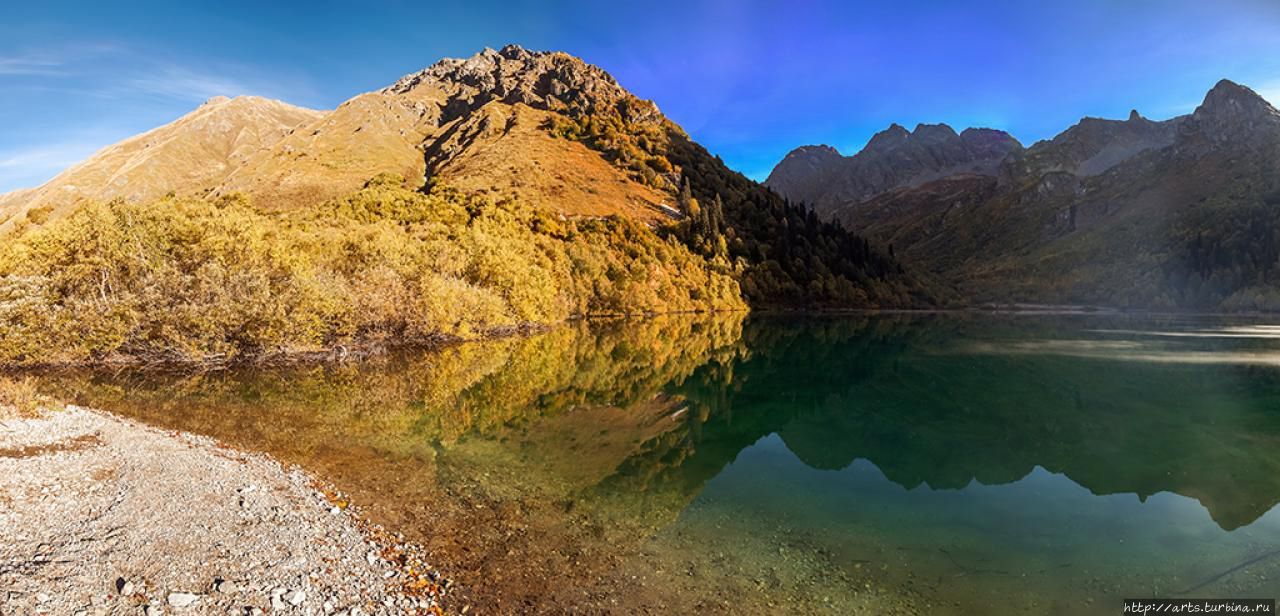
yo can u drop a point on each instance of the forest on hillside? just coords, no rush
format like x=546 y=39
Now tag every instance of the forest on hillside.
x=780 y=252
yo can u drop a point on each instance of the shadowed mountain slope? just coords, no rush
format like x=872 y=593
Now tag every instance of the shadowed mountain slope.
x=1179 y=214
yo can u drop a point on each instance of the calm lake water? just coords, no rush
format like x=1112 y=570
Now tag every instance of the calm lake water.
x=889 y=464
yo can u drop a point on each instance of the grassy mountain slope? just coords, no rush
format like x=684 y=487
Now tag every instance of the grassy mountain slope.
x=186 y=156
x=504 y=149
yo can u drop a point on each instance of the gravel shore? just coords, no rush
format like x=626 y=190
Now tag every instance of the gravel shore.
x=102 y=515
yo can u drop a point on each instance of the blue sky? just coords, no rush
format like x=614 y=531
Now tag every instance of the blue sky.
x=750 y=80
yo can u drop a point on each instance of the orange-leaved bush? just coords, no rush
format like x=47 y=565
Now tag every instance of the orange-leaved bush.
x=218 y=280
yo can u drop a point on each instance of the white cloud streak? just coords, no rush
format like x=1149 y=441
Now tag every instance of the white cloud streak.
x=32 y=166
x=181 y=83
x=107 y=70
x=132 y=90
x=30 y=65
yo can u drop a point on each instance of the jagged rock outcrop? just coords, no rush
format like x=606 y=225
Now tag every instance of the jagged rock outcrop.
x=893 y=158
x=551 y=81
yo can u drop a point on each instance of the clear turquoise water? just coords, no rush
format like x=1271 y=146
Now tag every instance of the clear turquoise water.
x=891 y=464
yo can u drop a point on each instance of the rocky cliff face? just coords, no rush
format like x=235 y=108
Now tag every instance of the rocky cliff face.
x=1091 y=147
x=546 y=80
x=1231 y=116
x=893 y=158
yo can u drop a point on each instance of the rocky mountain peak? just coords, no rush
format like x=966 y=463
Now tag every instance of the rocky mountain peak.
x=1230 y=114
x=553 y=81
x=989 y=143
x=937 y=133
x=819 y=152
x=1230 y=97
x=1231 y=103
x=893 y=158
x=895 y=135
x=801 y=172
x=1092 y=147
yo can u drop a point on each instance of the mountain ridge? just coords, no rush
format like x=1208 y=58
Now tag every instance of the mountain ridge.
x=187 y=155
x=1171 y=214
x=892 y=158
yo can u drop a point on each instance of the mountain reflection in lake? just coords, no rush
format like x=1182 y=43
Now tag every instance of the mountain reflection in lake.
x=959 y=464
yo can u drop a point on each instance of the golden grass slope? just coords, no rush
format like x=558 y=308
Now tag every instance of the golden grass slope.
x=187 y=156
x=480 y=124
x=506 y=150
x=334 y=154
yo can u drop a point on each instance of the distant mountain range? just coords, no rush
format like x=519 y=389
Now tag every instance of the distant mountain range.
x=895 y=157
x=1175 y=214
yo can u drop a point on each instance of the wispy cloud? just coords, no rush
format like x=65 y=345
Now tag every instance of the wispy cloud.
x=55 y=155
x=184 y=83
x=31 y=166
x=30 y=65
x=77 y=98
x=118 y=71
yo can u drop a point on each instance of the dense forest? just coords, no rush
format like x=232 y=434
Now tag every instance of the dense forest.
x=1226 y=254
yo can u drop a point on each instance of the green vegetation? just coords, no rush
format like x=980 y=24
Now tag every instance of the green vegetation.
x=1227 y=254
x=1221 y=253
x=195 y=280
x=780 y=253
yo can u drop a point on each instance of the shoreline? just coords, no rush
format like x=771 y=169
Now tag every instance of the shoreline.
x=100 y=514
x=339 y=354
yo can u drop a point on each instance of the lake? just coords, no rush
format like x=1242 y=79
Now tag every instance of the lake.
x=962 y=463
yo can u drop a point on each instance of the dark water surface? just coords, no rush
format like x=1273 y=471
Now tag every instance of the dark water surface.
x=874 y=464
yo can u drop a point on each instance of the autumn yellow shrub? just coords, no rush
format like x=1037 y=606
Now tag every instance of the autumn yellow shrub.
x=20 y=397
x=197 y=280
x=38 y=215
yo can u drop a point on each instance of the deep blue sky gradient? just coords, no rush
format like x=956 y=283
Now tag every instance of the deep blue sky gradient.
x=750 y=80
